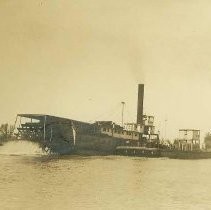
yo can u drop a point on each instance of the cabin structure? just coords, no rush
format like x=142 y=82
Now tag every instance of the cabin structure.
x=132 y=132
x=189 y=140
x=141 y=133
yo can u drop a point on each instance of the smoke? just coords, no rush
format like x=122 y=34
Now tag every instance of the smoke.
x=21 y=148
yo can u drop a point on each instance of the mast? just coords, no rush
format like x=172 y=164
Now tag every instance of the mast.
x=123 y=104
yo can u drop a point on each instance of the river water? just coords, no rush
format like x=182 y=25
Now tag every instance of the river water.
x=30 y=179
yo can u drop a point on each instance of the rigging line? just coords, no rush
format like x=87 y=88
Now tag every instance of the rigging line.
x=116 y=116
x=117 y=111
x=107 y=113
x=111 y=116
x=82 y=103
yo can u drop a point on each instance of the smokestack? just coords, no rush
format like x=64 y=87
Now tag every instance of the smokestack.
x=140 y=104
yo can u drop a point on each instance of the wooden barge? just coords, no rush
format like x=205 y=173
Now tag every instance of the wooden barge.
x=138 y=151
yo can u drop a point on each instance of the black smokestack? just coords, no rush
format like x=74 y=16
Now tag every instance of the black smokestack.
x=140 y=103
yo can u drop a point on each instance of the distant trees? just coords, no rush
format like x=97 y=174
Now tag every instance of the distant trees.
x=6 y=131
x=207 y=141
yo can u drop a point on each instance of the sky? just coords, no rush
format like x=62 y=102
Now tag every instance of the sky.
x=80 y=59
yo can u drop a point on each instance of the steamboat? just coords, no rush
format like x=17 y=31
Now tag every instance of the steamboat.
x=68 y=136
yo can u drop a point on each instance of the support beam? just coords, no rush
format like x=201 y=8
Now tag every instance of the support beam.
x=44 y=132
